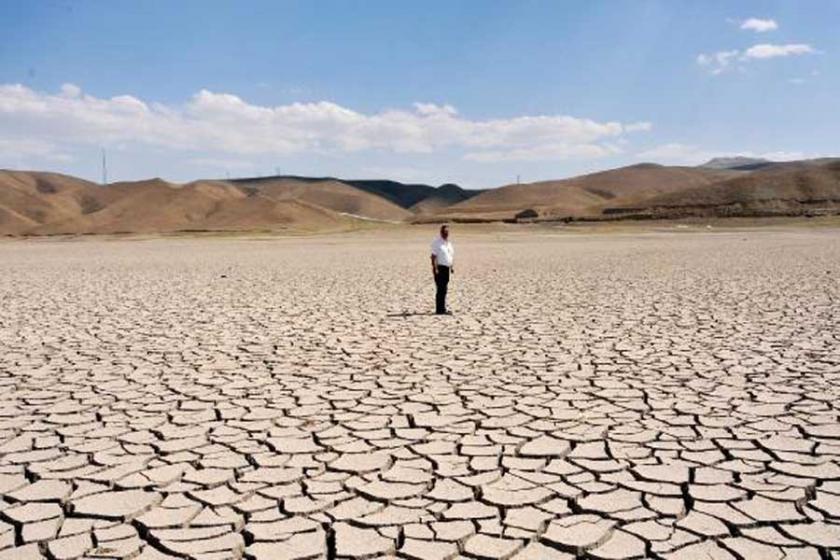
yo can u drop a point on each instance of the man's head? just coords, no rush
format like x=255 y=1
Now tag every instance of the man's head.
x=444 y=231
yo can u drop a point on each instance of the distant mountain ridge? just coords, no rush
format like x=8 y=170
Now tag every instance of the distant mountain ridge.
x=402 y=194
x=736 y=162
x=40 y=203
x=585 y=195
x=36 y=203
x=792 y=189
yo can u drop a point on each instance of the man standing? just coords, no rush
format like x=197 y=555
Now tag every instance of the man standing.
x=443 y=254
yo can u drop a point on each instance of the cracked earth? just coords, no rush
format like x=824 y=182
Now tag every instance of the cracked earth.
x=672 y=396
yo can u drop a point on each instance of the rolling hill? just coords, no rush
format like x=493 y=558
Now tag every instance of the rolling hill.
x=35 y=203
x=802 y=188
x=45 y=204
x=330 y=194
x=444 y=197
x=29 y=199
x=405 y=195
x=738 y=163
x=144 y=207
x=39 y=203
x=586 y=195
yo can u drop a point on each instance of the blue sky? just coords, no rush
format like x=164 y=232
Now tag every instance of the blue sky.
x=470 y=92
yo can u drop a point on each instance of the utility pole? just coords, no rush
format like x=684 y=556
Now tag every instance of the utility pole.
x=104 y=169
x=517 y=179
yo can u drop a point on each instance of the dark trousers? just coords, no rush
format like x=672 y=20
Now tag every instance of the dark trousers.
x=442 y=283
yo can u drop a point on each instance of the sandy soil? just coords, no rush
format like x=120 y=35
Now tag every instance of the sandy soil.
x=639 y=394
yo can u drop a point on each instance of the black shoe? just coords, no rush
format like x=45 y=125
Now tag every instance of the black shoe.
x=444 y=313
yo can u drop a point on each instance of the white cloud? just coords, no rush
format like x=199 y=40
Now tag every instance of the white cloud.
x=544 y=153
x=686 y=154
x=223 y=164
x=676 y=153
x=432 y=109
x=26 y=152
x=717 y=62
x=639 y=126
x=773 y=51
x=722 y=60
x=402 y=173
x=71 y=90
x=787 y=156
x=759 y=25
x=225 y=124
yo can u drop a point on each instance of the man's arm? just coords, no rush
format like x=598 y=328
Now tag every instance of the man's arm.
x=434 y=265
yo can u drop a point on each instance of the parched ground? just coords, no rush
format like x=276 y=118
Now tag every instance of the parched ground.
x=643 y=395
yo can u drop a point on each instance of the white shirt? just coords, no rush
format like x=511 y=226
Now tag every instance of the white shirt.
x=444 y=251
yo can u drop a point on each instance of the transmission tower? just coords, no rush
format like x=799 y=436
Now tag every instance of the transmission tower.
x=104 y=168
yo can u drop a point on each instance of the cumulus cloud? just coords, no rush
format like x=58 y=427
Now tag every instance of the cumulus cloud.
x=223 y=164
x=717 y=62
x=25 y=152
x=677 y=153
x=544 y=153
x=639 y=126
x=787 y=156
x=722 y=60
x=222 y=123
x=759 y=25
x=405 y=174
x=774 y=51
x=687 y=154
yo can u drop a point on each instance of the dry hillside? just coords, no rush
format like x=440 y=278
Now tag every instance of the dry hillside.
x=29 y=199
x=34 y=203
x=789 y=189
x=46 y=203
x=332 y=195
x=444 y=197
x=587 y=194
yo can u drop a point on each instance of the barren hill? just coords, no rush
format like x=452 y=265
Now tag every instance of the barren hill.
x=333 y=195
x=443 y=197
x=29 y=199
x=802 y=188
x=145 y=207
x=35 y=203
x=45 y=203
x=740 y=163
x=405 y=195
x=587 y=194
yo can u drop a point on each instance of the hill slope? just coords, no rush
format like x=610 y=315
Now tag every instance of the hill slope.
x=443 y=197
x=737 y=163
x=50 y=203
x=45 y=203
x=333 y=195
x=29 y=199
x=785 y=190
x=585 y=195
x=145 y=207
x=405 y=195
